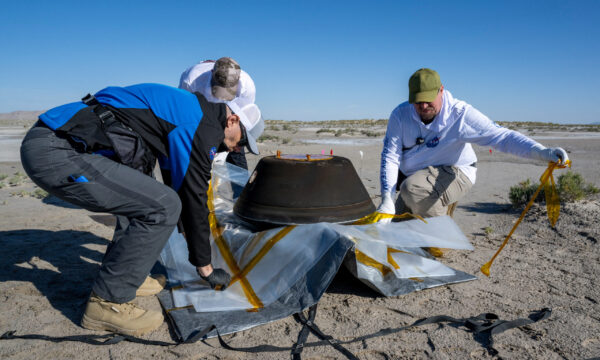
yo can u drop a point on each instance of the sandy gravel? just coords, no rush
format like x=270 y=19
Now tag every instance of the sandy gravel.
x=51 y=253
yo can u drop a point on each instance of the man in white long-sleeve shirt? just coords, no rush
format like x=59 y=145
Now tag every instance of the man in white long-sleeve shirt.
x=221 y=81
x=429 y=140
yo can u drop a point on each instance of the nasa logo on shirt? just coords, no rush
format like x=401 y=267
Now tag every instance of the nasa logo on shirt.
x=433 y=142
x=212 y=153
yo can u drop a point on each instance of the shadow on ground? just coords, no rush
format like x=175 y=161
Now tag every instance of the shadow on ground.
x=107 y=220
x=346 y=283
x=487 y=208
x=53 y=200
x=60 y=264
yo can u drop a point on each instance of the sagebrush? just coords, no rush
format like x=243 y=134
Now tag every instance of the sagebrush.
x=570 y=186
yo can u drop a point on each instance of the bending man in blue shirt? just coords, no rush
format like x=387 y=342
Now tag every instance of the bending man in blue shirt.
x=100 y=153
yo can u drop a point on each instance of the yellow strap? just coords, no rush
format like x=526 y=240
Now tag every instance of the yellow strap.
x=391 y=260
x=252 y=244
x=435 y=251
x=261 y=253
x=543 y=179
x=369 y=261
x=371 y=219
x=552 y=201
x=217 y=232
x=376 y=216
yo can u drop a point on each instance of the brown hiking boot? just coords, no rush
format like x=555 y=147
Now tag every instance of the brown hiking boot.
x=127 y=318
x=152 y=285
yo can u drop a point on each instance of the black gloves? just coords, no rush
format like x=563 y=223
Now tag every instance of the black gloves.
x=217 y=277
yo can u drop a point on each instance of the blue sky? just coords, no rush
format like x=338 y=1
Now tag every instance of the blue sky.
x=313 y=60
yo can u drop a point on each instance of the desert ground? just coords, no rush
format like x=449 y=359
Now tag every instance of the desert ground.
x=51 y=252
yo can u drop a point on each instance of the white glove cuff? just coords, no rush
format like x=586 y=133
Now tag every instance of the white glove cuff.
x=387 y=204
x=540 y=152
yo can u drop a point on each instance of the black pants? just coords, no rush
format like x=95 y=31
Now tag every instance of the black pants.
x=147 y=210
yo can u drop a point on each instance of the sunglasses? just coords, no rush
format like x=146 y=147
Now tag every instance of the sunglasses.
x=244 y=139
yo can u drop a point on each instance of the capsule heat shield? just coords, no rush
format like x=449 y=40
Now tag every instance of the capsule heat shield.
x=303 y=189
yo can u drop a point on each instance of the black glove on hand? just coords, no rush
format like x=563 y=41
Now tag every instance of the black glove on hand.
x=217 y=277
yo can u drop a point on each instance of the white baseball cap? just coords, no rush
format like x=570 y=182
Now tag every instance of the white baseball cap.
x=225 y=78
x=252 y=122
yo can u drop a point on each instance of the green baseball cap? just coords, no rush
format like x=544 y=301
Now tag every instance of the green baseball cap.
x=423 y=86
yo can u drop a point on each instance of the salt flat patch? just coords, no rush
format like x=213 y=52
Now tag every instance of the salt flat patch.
x=343 y=141
x=312 y=129
x=13 y=131
x=567 y=135
x=10 y=142
x=9 y=150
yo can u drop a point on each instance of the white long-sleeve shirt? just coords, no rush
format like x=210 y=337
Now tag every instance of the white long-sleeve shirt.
x=447 y=140
x=197 y=78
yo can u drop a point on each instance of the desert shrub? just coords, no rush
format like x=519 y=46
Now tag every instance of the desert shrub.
x=17 y=179
x=39 y=194
x=370 y=133
x=273 y=128
x=2 y=178
x=570 y=187
x=21 y=193
x=288 y=127
x=286 y=140
x=488 y=230
x=331 y=123
x=340 y=132
x=266 y=137
x=325 y=131
x=595 y=128
x=521 y=194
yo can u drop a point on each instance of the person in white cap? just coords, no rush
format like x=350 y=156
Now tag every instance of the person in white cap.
x=99 y=153
x=427 y=153
x=221 y=81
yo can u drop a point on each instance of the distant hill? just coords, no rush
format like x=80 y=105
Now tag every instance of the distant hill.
x=19 y=118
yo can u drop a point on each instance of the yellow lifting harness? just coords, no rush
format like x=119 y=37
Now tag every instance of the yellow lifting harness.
x=552 y=206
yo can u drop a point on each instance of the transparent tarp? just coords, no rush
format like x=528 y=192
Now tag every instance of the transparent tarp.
x=264 y=264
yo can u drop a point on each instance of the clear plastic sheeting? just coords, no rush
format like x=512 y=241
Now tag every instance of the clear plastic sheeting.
x=415 y=266
x=265 y=264
x=267 y=267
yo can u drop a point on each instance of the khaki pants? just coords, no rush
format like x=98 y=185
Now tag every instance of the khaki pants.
x=428 y=192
